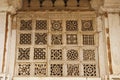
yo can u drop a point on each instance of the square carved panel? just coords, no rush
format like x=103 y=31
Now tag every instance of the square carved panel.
x=56 y=39
x=72 y=54
x=56 y=69
x=56 y=25
x=56 y=54
x=73 y=69
x=41 y=24
x=88 y=40
x=24 y=54
x=88 y=54
x=40 y=69
x=87 y=25
x=71 y=25
x=89 y=69
x=40 y=38
x=26 y=25
x=24 y=69
x=25 y=38
x=71 y=38
x=39 y=53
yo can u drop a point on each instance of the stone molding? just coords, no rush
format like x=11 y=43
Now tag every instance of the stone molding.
x=13 y=5
x=9 y=9
x=109 y=9
x=2 y=76
x=114 y=77
x=110 y=6
x=54 y=78
x=10 y=6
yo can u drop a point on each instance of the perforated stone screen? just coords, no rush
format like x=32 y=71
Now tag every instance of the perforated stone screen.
x=56 y=44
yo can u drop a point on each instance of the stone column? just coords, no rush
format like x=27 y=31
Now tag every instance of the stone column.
x=3 y=33
x=7 y=38
x=2 y=40
x=11 y=57
x=110 y=10
x=114 y=33
x=112 y=30
x=103 y=64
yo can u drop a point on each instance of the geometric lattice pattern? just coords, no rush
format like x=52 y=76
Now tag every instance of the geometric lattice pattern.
x=72 y=54
x=56 y=69
x=88 y=40
x=56 y=25
x=89 y=69
x=56 y=46
x=88 y=54
x=56 y=39
x=24 y=69
x=71 y=38
x=25 y=38
x=26 y=25
x=40 y=69
x=41 y=24
x=71 y=25
x=56 y=54
x=87 y=25
x=39 y=53
x=40 y=38
x=73 y=69
x=24 y=54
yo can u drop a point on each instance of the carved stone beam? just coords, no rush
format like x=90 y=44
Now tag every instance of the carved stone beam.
x=65 y=2
x=116 y=78
x=29 y=1
x=53 y=2
x=78 y=3
x=41 y=2
x=90 y=4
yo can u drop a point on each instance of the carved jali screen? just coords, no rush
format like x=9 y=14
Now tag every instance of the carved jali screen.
x=56 y=44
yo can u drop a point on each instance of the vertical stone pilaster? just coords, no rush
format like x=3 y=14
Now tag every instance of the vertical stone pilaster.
x=111 y=7
x=111 y=20
x=7 y=44
x=114 y=33
x=3 y=16
x=107 y=41
x=7 y=36
x=103 y=67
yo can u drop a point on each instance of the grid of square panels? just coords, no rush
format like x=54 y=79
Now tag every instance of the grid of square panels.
x=55 y=48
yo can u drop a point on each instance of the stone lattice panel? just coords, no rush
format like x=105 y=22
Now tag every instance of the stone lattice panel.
x=24 y=54
x=24 y=69
x=89 y=69
x=40 y=38
x=56 y=25
x=87 y=25
x=88 y=40
x=40 y=69
x=71 y=25
x=73 y=69
x=88 y=54
x=56 y=54
x=56 y=69
x=41 y=24
x=39 y=53
x=51 y=44
x=71 y=38
x=25 y=38
x=56 y=39
x=26 y=25
x=72 y=54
